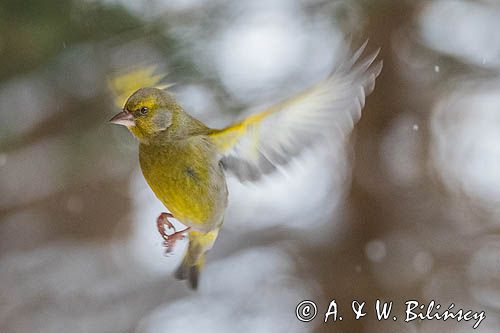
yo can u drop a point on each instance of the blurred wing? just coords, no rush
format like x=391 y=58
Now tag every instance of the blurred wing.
x=125 y=84
x=328 y=110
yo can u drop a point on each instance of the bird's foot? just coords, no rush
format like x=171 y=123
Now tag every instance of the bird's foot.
x=168 y=239
x=169 y=242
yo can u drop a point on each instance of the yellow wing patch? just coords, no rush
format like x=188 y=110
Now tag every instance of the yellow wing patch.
x=226 y=138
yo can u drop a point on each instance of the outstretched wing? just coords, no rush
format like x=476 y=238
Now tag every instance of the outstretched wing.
x=328 y=110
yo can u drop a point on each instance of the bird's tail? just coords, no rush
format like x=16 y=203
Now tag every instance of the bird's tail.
x=194 y=259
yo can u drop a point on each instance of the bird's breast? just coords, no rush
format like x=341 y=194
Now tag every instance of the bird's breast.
x=187 y=178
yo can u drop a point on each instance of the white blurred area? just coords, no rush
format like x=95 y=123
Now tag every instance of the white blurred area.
x=253 y=290
x=271 y=45
x=465 y=128
x=468 y=33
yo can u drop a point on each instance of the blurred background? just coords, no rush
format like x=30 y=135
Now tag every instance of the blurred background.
x=408 y=208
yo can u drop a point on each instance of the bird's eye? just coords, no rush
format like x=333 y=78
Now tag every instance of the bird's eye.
x=144 y=110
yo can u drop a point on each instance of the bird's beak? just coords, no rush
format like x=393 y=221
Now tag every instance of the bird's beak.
x=123 y=118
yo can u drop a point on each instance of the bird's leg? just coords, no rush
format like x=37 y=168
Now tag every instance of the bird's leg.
x=168 y=239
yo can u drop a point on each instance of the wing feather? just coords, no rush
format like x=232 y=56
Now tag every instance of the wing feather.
x=329 y=110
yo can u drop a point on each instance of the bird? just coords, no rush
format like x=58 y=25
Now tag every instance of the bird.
x=186 y=163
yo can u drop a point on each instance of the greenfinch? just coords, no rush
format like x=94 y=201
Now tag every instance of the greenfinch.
x=185 y=162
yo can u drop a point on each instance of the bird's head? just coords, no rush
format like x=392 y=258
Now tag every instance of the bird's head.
x=148 y=112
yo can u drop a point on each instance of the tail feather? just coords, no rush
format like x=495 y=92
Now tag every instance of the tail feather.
x=194 y=274
x=188 y=272
x=194 y=259
x=181 y=273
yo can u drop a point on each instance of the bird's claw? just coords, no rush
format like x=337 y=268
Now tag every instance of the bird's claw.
x=168 y=239
x=169 y=242
x=163 y=221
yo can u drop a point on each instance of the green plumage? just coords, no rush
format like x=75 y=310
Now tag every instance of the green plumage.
x=183 y=160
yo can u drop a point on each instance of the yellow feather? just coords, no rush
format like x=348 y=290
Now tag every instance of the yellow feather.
x=227 y=137
x=125 y=84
